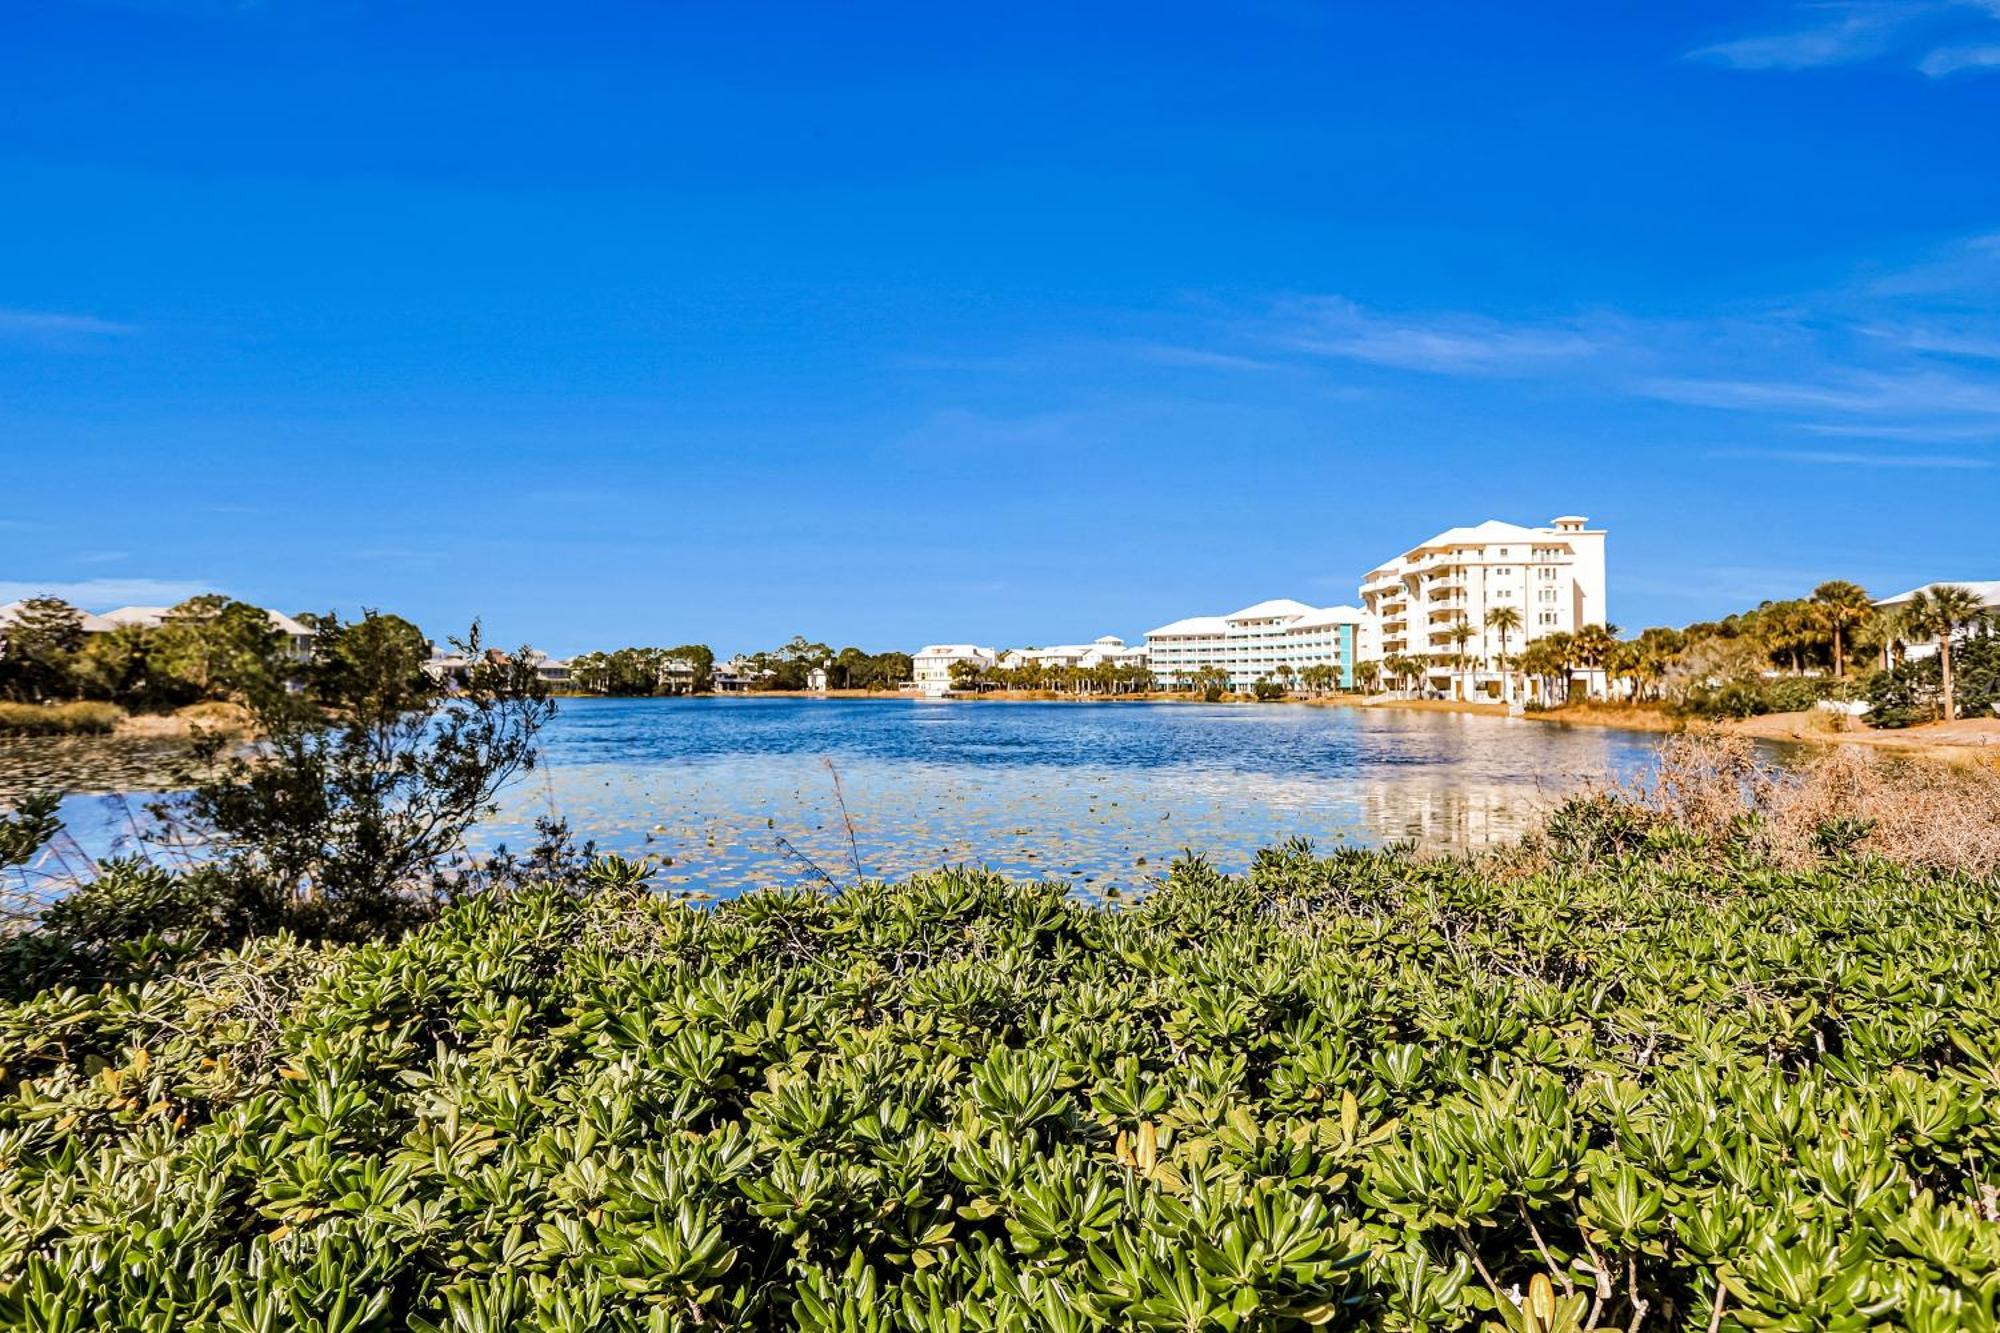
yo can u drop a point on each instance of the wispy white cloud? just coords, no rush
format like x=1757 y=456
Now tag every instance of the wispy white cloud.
x=47 y=325
x=1981 y=344
x=1936 y=37
x=1863 y=393
x=1171 y=355
x=1947 y=60
x=1853 y=458
x=1828 y=34
x=1935 y=433
x=103 y=594
x=1447 y=343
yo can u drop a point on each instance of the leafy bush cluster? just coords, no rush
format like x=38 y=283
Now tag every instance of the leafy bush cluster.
x=1754 y=696
x=1363 y=1091
x=1912 y=691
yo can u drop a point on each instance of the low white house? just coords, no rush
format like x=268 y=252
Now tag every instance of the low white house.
x=1986 y=590
x=931 y=666
x=298 y=639
x=1105 y=648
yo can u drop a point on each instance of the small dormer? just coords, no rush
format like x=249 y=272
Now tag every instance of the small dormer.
x=1569 y=523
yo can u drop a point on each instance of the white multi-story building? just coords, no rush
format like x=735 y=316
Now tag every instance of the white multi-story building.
x=932 y=664
x=1250 y=645
x=1553 y=577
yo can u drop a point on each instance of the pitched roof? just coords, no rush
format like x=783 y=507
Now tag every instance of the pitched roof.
x=1479 y=534
x=1329 y=615
x=145 y=617
x=149 y=617
x=1275 y=608
x=92 y=624
x=1192 y=625
x=1986 y=590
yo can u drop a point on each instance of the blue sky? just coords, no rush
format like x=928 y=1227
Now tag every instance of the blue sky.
x=650 y=322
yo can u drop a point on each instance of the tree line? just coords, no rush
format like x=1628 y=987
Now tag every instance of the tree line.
x=1780 y=656
x=206 y=648
x=688 y=669
x=791 y=667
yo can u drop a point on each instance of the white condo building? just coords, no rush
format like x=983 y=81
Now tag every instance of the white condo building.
x=1552 y=576
x=932 y=664
x=1251 y=644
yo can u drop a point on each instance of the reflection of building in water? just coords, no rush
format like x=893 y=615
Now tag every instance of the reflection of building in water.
x=1453 y=814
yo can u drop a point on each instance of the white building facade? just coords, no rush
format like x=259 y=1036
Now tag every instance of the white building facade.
x=1986 y=590
x=1107 y=649
x=1252 y=644
x=1416 y=604
x=931 y=665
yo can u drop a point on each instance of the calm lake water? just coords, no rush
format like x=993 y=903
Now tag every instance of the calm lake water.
x=1093 y=794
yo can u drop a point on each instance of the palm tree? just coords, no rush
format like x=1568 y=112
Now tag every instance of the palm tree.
x=1504 y=620
x=1543 y=659
x=1560 y=657
x=1787 y=629
x=1460 y=635
x=1941 y=612
x=1841 y=608
x=1366 y=674
x=1395 y=667
x=1594 y=644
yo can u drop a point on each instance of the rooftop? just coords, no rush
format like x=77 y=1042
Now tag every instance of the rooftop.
x=1278 y=608
x=92 y=624
x=1986 y=590
x=1480 y=534
x=1192 y=625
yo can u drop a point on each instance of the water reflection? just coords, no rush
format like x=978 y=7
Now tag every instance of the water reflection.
x=739 y=793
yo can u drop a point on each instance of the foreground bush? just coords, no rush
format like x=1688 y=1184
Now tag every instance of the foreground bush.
x=70 y=719
x=1626 y=1089
x=1716 y=798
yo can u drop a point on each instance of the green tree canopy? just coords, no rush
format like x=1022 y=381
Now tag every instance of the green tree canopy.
x=39 y=644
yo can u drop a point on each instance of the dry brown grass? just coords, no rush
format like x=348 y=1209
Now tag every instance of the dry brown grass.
x=67 y=719
x=1926 y=815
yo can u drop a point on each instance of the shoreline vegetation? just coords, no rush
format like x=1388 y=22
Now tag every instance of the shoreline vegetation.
x=1968 y=739
x=1716 y=1051
x=193 y=671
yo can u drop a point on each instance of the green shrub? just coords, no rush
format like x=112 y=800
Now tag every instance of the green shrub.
x=1358 y=1091
x=1584 y=829
x=133 y=921
x=1756 y=696
x=67 y=719
x=1912 y=691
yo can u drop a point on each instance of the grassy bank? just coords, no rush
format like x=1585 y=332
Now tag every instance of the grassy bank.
x=64 y=719
x=1969 y=740
x=1667 y=1065
x=88 y=718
